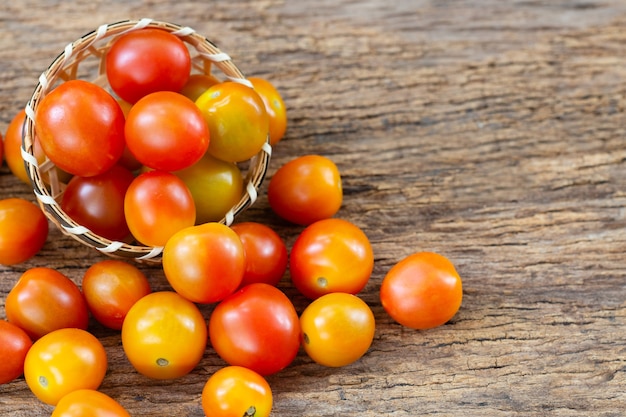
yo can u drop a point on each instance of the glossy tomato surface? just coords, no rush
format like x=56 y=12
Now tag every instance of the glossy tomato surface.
x=145 y=61
x=204 y=263
x=306 y=189
x=422 y=291
x=274 y=105
x=63 y=361
x=256 y=327
x=44 y=300
x=236 y=391
x=197 y=84
x=23 y=230
x=81 y=128
x=331 y=255
x=88 y=403
x=14 y=344
x=164 y=335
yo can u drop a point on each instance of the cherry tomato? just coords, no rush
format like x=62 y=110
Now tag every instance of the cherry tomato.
x=88 y=403
x=165 y=130
x=97 y=202
x=14 y=344
x=306 y=189
x=237 y=120
x=266 y=253
x=44 y=300
x=256 y=327
x=111 y=287
x=216 y=186
x=13 y=145
x=23 y=230
x=164 y=335
x=157 y=205
x=274 y=105
x=331 y=255
x=204 y=263
x=236 y=391
x=81 y=128
x=422 y=291
x=337 y=329
x=63 y=361
x=197 y=84
x=145 y=61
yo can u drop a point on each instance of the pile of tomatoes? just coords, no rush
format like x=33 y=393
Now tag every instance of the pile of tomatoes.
x=172 y=124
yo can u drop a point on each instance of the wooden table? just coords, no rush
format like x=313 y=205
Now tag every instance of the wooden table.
x=491 y=132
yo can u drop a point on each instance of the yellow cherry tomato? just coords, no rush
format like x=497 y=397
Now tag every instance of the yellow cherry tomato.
x=275 y=107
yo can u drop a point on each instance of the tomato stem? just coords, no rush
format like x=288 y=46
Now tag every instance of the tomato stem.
x=250 y=412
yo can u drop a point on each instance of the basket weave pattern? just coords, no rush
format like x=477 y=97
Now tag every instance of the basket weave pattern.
x=77 y=58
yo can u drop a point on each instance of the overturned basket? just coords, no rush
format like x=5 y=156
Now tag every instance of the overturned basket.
x=84 y=58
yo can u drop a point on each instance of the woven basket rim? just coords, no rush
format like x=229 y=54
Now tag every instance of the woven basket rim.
x=64 y=67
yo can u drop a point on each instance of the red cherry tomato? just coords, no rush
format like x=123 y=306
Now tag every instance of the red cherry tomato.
x=145 y=61
x=88 y=403
x=111 y=287
x=98 y=202
x=157 y=205
x=14 y=344
x=331 y=255
x=257 y=327
x=44 y=300
x=165 y=130
x=266 y=253
x=81 y=128
x=422 y=291
x=306 y=189
x=23 y=230
x=204 y=263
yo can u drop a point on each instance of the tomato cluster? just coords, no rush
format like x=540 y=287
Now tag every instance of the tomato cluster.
x=168 y=132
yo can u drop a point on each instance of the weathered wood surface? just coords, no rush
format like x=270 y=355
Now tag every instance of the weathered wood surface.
x=491 y=132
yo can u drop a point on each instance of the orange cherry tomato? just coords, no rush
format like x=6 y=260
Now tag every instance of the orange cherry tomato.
x=274 y=105
x=44 y=300
x=204 y=263
x=63 y=361
x=14 y=344
x=111 y=287
x=23 y=230
x=422 y=291
x=337 y=329
x=164 y=335
x=306 y=189
x=88 y=403
x=197 y=84
x=237 y=120
x=266 y=253
x=331 y=255
x=236 y=391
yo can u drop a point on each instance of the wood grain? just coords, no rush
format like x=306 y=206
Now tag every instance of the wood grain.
x=491 y=132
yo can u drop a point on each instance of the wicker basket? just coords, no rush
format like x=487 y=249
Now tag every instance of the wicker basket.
x=84 y=59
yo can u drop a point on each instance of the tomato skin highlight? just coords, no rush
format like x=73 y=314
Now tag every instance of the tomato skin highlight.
x=88 y=403
x=23 y=230
x=14 y=344
x=422 y=291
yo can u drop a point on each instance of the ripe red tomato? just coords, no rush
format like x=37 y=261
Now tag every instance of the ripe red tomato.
x=266 y=253
x=43 y=300
x=422 y=291
x=331 y=255
x=164 y=335
x=257 y=327
x=165 y=130
x=337 y=329
x=23 y=230
x=88 y=403
x=157 y=205
x=237 y=120
x=81 y=128
x=204 y=263
x=306 y=189
x=14 y=344
x=145 y=61
x=236 y=391
x=63 y=361
x=111 y=287
x=97 y=202
x=197 y=84
x=274 y=105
